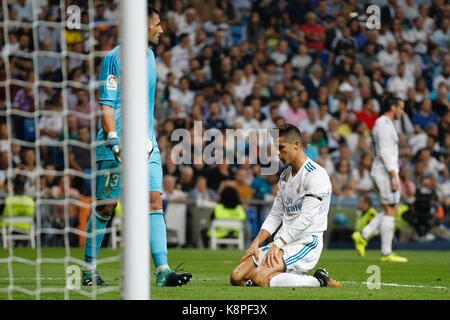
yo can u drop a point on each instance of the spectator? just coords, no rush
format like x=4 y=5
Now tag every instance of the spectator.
x=361 y=175
x=24 y=11
x=280 y=55
x=388 y=59
x=343 y=181
x=169 y=191
x=442 y=103
x=164 y=67
x=444 y=77
x=309 y=149
x=431 y=164
x=182 y=53
x=301 y=61
x=407 y=187
x=367 y=114
x=310 y=124
x=80 y=156
x=314 y=32
x=182 y=99
x=325 y=161
x=215 y=120
x=441 y=36
x=218 y=173
x=314 y=80
x=201 y=193
x=215 y=25
x=247 y=120
x=424 y=116
x=240 y=184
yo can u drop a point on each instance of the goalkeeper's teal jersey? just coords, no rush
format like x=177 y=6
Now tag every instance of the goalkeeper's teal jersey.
x=110 y=96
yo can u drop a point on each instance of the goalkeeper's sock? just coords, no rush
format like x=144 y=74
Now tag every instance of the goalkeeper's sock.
x=293 y=280
x=158 y=240
x=387 y=234
x=91 y=251
x=373 y=227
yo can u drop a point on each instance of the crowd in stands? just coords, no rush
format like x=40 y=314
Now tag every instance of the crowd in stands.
x=231 y=64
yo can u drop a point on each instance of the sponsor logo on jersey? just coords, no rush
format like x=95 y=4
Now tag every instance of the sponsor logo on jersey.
x=111 y=82
x=295 y=208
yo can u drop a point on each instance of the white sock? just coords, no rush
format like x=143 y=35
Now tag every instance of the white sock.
x=373 y=227
x=293 y=280
x=387 y=234
x=89 y=266
x=161 y=268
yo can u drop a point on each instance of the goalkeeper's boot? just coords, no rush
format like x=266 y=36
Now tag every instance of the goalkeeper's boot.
x=393 y=258
x=325 y=280
x=170 y=278
x=360 y=243
x=90 y=276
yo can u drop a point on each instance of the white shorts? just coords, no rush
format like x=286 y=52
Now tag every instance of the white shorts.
x=300 y=256
x=382 y=183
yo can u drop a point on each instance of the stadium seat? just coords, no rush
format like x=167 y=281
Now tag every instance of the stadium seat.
x=225 y=223
x=236 y=33
x=29 y=129
x=18 y=221
x=175 y=216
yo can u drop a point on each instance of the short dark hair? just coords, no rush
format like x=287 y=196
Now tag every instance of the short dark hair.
x=388 y=100
x=290 y=133
x=152 y=10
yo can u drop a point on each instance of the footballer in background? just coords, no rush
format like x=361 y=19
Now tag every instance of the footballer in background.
x=384 y=174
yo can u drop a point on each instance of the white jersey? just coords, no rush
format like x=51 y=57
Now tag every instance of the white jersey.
x=385 y=140
x=301 y=204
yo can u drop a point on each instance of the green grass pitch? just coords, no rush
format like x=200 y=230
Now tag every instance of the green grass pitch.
x=425 y=276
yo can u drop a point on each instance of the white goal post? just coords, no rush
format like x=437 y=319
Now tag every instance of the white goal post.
x=134 y=82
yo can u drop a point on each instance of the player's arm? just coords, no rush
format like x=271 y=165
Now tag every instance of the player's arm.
x=386 y=145
x=269 y=226
x=109 y=87
x=108 y=120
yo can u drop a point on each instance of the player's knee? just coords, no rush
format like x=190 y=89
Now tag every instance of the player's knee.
x=106 y=210
x=236 y=277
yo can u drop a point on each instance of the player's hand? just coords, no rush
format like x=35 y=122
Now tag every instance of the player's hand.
x=114 y=144
x=251 y=251
x=271 y=257
x=394 y=183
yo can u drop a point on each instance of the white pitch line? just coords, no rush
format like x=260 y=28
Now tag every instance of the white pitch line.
x=394 y=285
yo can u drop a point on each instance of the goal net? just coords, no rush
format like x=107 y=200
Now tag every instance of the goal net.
x=51 y=52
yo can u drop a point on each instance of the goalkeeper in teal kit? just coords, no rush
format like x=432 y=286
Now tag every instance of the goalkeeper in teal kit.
x=108 y=169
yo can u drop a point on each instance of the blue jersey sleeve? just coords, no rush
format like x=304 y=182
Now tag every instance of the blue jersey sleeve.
x=109 y=80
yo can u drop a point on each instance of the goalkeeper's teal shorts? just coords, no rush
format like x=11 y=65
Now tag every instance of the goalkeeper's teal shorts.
x=108 y=177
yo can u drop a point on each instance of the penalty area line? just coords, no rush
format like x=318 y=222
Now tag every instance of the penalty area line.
x=394 y=285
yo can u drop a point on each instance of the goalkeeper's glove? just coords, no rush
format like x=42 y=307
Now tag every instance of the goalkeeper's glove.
x=114 y=144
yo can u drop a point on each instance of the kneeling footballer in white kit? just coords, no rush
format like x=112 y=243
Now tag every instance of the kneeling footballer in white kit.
x=301 y=208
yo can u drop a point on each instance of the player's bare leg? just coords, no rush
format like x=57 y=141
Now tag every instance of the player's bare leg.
x=243 y=272
x=264 y=273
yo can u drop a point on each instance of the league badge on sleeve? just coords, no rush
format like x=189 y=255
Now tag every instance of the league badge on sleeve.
x=111 y=82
